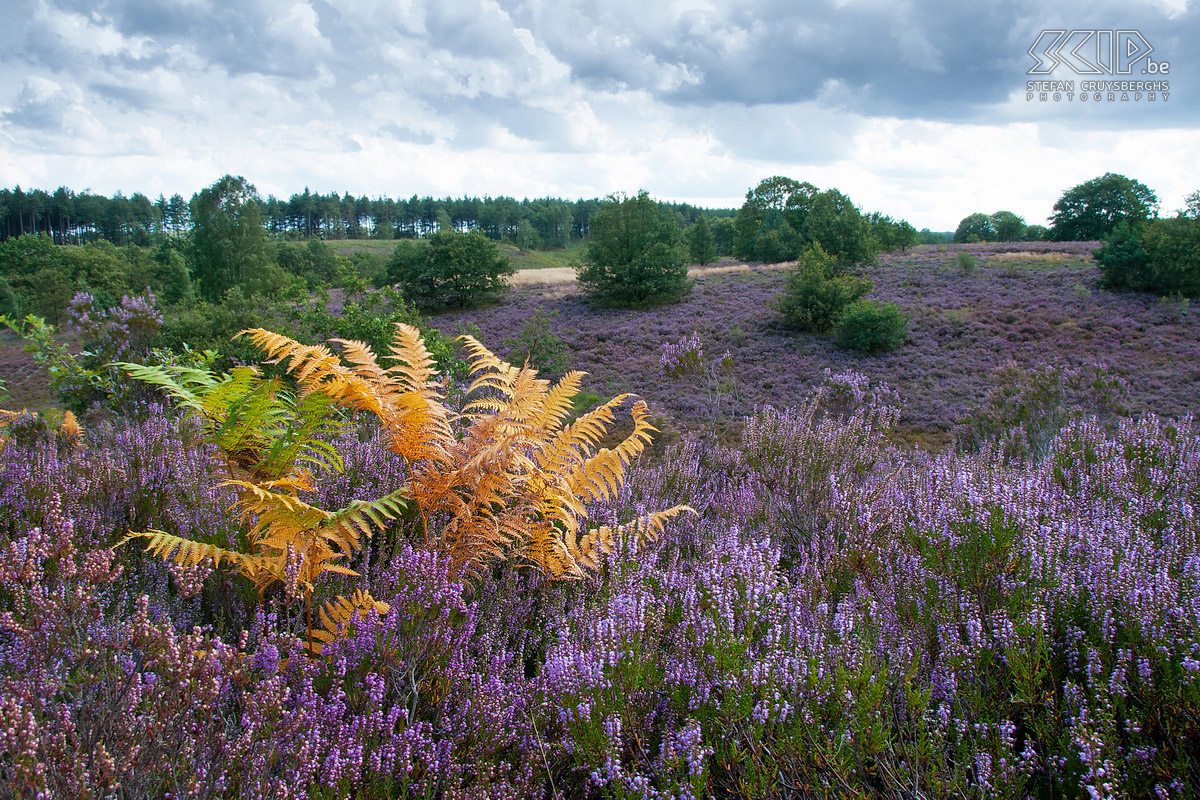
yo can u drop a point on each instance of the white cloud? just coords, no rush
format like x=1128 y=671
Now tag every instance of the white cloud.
x=904 y=106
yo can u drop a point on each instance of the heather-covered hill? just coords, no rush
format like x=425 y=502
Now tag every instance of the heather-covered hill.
x=1031 y=303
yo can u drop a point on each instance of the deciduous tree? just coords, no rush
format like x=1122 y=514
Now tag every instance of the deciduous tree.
x=1094 y=209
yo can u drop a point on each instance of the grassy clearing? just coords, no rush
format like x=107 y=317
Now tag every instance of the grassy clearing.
x=1029 y=255
x=347 y=247
x=544 y=259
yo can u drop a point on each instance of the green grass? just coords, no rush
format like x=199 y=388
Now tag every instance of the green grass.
x=543 y=259
x=533 y=259
x=345 y=247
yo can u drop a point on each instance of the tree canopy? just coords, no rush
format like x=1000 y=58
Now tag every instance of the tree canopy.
x=229 y=241
x=454 y=270
x=634 y=255
x=782 y=218
x=1094 y=209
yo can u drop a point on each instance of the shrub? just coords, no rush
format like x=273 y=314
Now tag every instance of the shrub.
x=816 y=295
x=966 y=263
x=1123 y=260
x=537 y=346
x=1028 y=407
x=871 y=327
x=1162 y=256
x=634 y=256
x=458 y=270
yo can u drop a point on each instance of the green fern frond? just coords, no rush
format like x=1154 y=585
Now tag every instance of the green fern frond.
x=186 y=552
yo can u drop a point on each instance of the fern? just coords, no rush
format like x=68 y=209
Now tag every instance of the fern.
x=188 y=552
x=290 y=541
x=259 y=426
x=588 y=551
x=514 y=481
x=337 y=617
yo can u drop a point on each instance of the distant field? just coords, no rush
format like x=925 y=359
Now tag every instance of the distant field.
x=344 y=247
x=533 y=259
x=1031 y=303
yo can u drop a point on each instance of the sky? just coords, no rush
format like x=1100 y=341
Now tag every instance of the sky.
x=917 y=108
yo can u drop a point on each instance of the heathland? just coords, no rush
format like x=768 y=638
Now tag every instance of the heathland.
x=833 y=513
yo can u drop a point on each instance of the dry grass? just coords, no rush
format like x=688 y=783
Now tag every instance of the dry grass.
x=1029 y=255
x=561 y=275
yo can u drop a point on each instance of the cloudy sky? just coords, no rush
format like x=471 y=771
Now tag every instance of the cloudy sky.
x=913 y=107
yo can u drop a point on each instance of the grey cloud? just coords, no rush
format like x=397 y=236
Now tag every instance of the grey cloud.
x=940 y=59
x=125 y=97
x=42 y=107
x=772 y=80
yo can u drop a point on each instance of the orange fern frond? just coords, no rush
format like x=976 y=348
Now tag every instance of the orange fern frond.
x=317 y=369
x=599 y=477
x=337 y=617
x=413 y=364
x=598 y=541
x=557 y=405
x=70 y=430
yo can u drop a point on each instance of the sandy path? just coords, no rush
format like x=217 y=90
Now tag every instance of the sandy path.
x=558 y=275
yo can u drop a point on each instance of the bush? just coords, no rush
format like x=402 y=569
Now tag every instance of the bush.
x=966 y=263
x=456 y=270
x=816 y=294
x=1028 y=407
x=871 y=327
x=537 y=346
x=634 y=256
x=1162 y=256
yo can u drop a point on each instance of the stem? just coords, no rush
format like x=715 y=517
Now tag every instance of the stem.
x=308 y=614
x=412 y=483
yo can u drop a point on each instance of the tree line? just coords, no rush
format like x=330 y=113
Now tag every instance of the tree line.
x=70 y=217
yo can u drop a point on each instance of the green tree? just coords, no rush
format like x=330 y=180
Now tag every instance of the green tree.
x=1008 y=226
x=633 y=256
x=836 y=224
x=702 y=248
x=1191 y=206
x=314 y=261
x=169 y=274
x=1160 y=256
x=39 y=275
x=1035 y=233
x=229 y=243
x=975 y=227
x=775 y=202
x=450 y=270
x=817 y=292
x=526 y=237
x=1094 y=209
x=723 y=232
x=889 y=234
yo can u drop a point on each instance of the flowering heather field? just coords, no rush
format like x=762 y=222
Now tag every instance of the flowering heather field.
x=1032 y=303
x=840 y=618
